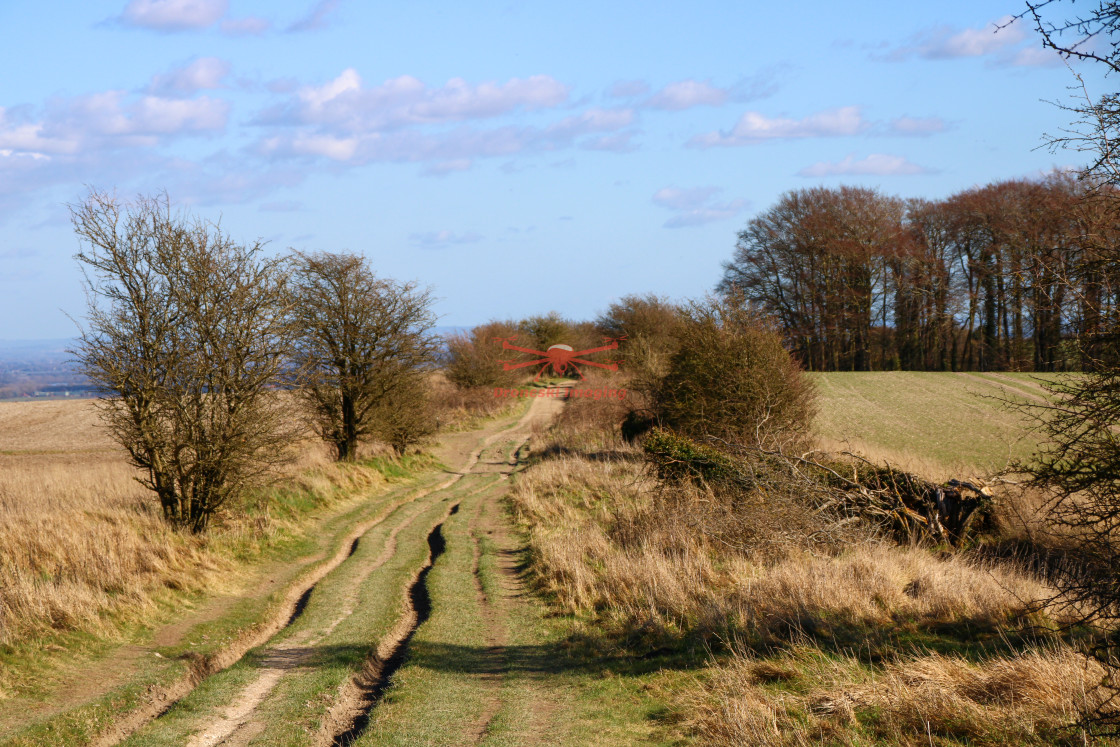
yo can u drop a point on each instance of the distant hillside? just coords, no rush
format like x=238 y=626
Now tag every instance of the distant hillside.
x=43 y=368
x=39 y=368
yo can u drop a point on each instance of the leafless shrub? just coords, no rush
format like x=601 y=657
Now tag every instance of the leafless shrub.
x=474 y=360
x=184 y=335
x=362 y=348
x=732 y=379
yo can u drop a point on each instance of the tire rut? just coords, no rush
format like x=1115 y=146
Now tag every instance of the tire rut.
x=354 y=708
x=289 y=610
x=237 y=725
x=497 y=634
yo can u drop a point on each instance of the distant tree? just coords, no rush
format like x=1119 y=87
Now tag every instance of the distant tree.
x=818 y=262
x=541 y=332
x=184 y=335
x=360 y=341
x=474 y=359
x=732 y=379
x=650 y=325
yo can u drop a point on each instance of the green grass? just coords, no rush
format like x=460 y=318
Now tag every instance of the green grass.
x=537 y=689
x=297 y=550
x=295 y=707
x=944 y=424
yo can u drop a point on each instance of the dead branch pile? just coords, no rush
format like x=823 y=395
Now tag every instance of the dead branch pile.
x=838 y=490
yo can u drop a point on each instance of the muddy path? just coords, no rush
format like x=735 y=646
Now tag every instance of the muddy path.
x=346 y=629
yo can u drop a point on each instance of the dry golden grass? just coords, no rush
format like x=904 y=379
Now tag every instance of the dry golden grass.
x=667 y=582
x=83 y=545
x=807 y=697
x=672 y=576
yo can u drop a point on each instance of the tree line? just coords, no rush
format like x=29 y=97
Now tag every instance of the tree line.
x=1007 y=276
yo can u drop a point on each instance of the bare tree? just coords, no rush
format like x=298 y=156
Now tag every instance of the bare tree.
x=1079 y=465
x=185 y=333
x=360 y=342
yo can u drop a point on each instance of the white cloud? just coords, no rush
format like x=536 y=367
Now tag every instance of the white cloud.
x=1036 y=57
x=248 y=26
x=85 y=126
x=694 y=207
x=703 y=215
x=686 y=94
x=404 y=120
x=334 y=148
x=1002 y=41
x=684 y=199
x=462 y=143
x=173 y=15
x=8 y=153
x=916 y=125
x=201 y=74
x=159 y=116
x=27 y=138
x=942 y=44
x=755 y=127
x=876 y=164
x=346 y=104
x=443 y=238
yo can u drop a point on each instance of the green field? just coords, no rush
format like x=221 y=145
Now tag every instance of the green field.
x=939 y=425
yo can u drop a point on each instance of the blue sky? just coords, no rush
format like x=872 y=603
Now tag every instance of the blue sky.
x=517 y=157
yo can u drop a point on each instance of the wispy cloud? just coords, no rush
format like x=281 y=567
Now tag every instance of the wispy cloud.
x=684 y=199
x=686 y=94
x=434 y=239
x=403 y=119
x=875 y=164
x=1004 y=41
x=173 y=15
x=205 y=73
x=410 y=145
x=695 y=207
x=317 y=17
x=755 y=127
x=247 y=26
x=347 y=104
x=916 y=126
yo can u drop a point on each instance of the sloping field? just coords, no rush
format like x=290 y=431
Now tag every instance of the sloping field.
x=939 y=425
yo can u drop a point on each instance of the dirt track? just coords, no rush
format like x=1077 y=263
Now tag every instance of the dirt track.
x=372 y=580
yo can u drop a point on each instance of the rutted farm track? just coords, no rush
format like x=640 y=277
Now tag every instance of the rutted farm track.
x=317 y=672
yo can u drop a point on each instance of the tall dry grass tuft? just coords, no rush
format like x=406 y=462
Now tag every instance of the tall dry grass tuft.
x=83 y=546
x=807 y=697
x=600 y=546
x=460 y=408
x=812 y=641
x=82 y=539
